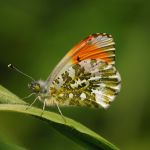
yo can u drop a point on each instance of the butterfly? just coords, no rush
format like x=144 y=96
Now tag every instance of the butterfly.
x=86 y=76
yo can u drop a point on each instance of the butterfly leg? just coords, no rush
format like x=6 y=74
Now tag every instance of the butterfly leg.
x=44 y=104
x=60 y=112
x=28 y=96
x=32 y=102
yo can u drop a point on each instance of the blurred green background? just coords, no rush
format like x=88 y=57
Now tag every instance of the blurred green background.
x=36 y=34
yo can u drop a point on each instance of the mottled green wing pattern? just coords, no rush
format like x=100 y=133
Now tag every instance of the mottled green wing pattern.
x=91 y=82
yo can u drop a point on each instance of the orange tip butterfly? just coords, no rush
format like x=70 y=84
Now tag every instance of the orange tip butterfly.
x=86 y=76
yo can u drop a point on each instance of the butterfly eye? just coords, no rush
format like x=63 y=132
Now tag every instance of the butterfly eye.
x=35 y=87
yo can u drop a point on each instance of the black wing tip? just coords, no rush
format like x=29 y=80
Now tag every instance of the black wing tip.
x=103 y=34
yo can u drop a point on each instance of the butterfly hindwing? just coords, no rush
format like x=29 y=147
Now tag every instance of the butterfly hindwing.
x=90 y=82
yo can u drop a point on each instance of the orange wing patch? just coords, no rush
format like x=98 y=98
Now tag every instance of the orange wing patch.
x=96 y=46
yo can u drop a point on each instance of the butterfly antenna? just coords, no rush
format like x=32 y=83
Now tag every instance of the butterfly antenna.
x=16 y=69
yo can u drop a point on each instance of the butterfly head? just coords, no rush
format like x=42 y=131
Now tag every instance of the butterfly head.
x=38 y=87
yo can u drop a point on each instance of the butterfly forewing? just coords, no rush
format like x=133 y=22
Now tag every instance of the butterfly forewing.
x=86 y=76
x=95 y=46
x=91 y=82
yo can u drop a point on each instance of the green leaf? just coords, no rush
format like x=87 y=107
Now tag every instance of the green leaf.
x=72 y=129
x=6 y=146
x=6 y=97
